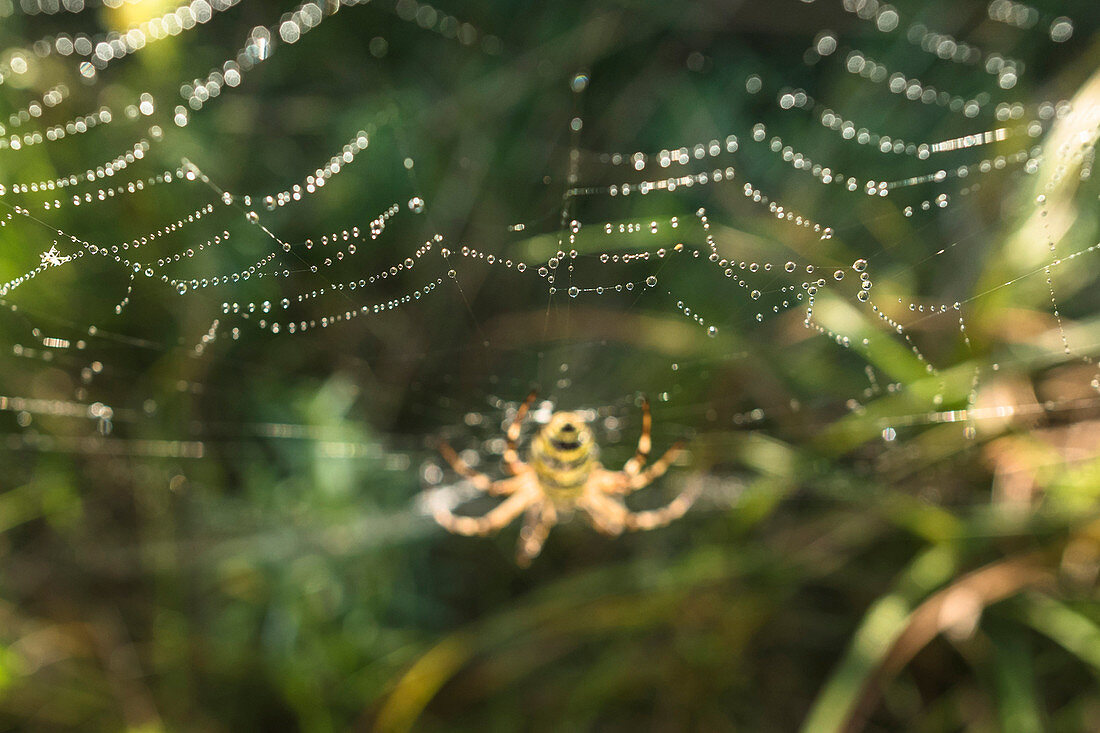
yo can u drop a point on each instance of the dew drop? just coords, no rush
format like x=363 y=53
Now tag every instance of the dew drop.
x=1061 y=30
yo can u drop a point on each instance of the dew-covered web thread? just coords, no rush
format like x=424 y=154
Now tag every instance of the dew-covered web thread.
x=811 y=210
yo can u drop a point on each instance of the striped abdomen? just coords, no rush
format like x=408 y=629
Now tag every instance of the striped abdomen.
x=563 y=455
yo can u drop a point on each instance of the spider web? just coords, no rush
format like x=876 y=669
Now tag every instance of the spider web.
x=321 y=236
x=256 y=259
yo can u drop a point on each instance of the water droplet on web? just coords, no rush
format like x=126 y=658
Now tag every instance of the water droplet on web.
x=826 y=43
x=651 y=281
x=416 y=205
x=574 y=292
x=1061 y=30
x=859 y=265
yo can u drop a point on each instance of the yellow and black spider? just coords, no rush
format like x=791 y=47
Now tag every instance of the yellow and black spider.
x=564 y=473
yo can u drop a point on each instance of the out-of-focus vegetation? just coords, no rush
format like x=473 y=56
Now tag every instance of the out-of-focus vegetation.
x=237 y=542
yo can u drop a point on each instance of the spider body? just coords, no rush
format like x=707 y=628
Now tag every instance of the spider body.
x=563 y=474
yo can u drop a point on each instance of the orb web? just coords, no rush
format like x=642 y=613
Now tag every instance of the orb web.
x=847 y=234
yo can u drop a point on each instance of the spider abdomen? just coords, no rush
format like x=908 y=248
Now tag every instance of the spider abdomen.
x=563 y=454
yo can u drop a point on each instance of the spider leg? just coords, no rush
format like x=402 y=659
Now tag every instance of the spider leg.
x=654 y=471
x=499 y=516
x=536 y=528
x=511 y=455
x=604 y=513
x=623 y=482
x=645 y=444
x=610 y=516
x=480 y=481
x=635 y=521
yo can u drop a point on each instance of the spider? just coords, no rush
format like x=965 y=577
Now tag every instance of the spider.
x=563 y=473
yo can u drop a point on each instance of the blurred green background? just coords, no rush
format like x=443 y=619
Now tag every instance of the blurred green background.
x=208 y=526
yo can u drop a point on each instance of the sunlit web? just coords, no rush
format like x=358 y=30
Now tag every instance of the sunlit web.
x=873 y=205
